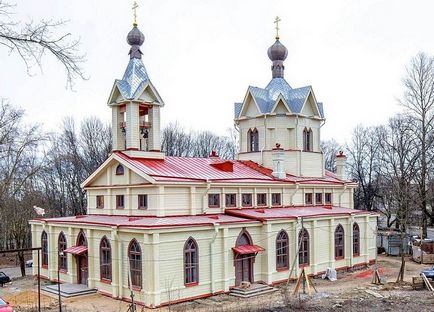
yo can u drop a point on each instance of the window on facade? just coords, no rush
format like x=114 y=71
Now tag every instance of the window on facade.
x=44 y=246
x=119 y=170
x=105 y=259
x=308 y=198
x=135 y=255
x=246 y=200
x=213 y=200
x=261 y=199
x=99 y=201
x=231 y=200
x=191 y=262
x=282 y=250
x=276 y=199
x=120 y=204
x=356 y=240
x=253 y=140
x=318 y=198
x=307 y=140
x=303 y=254
x=81 y=240
x=143 y=201
x=62 y=258
x=328 y=198
x=339 y=242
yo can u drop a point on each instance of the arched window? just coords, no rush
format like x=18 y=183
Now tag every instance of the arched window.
x=135 y=255
x=253 y=136
x=191 y=262
x=105 y=259
x=307 y=140
x=44 y=245
x=81 y=239
x=282 y=250
x=63 y=263
x=339 y=243
x=303 y=253
x=356 y=240
x=119 y=170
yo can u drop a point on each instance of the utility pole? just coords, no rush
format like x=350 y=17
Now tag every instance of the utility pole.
x=58 y=280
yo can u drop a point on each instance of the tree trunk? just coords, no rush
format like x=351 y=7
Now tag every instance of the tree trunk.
x=22 y=263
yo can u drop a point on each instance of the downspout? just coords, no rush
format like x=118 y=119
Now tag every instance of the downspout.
x=265 y=140
x=342 y=193
x=297 y=185
x=211 y=247
x=208 y=186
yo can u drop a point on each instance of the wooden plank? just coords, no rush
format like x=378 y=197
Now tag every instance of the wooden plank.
x=427 y=283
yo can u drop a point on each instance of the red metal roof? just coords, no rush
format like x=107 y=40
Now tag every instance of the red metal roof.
x=293 y=212
x=76 y=250
x=189 y=169
x=150 y=222
x=247 y=249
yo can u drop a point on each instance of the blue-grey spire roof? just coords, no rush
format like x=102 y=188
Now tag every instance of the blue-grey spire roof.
x=266 y=97
x=134 y=78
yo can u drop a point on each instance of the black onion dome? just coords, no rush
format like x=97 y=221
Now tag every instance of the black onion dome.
x=277 y=52
x=135 y=37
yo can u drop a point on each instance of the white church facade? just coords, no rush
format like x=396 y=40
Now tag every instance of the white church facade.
x=181 y=228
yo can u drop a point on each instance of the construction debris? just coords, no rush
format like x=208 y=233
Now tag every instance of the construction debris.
x=427 y=282
x=330 y=274
x=373 y=293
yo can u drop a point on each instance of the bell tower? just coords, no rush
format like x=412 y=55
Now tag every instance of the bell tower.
x=135 y=105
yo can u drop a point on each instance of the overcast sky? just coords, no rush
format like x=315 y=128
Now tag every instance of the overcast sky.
x=202 y=55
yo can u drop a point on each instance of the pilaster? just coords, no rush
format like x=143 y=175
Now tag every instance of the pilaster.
x=154 y=133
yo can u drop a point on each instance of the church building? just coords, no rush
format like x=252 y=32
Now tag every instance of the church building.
x=180 y=228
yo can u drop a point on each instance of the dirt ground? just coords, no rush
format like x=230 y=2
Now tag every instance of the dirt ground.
x=348 y=293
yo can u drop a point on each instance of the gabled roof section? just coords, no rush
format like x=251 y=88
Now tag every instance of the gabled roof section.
x=276 y=90
x=112 y=158
x=132 y=85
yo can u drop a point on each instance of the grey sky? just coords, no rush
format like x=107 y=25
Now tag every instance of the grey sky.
x=201 y=55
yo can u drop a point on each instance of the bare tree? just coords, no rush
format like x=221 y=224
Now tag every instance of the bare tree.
x=398 y=167
x=330 y=148
x=419 y=101
x=363 y=160
x=31 y=41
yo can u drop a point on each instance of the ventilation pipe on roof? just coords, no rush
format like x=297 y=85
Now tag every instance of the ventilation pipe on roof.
x=341 y=162
x=278 y=156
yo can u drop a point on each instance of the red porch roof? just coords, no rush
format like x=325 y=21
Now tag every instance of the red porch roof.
x=247 y=249
x=76 y=250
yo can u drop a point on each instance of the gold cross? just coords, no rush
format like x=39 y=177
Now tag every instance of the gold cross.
x=276 y=21
x=135 y=6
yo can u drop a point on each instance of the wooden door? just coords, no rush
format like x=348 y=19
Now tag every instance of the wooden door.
x=82 y=269
x=243 y=269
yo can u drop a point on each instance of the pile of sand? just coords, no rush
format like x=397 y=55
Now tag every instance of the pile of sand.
x=28 y=298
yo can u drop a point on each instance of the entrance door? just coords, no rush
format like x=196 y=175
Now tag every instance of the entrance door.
x=243 y=269
x=82 y=269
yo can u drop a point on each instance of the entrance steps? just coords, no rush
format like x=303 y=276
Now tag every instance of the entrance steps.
x=252 y=291
x=69 y=290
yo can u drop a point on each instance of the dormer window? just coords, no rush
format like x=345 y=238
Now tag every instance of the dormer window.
x=307 y=140
x=120 y=170
x=253 y=138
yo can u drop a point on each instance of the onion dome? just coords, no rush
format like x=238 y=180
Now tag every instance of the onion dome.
x=135 y=39
x=277 y=54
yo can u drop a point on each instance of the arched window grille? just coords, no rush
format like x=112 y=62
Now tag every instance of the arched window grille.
x=339 y=242
x=282 y=250
x=119 y=170
x=135 y=256
x=356 y=240
x=44 y=245
x=63 y=263
x=105 y=259
x=303 y=254
x=191 y=262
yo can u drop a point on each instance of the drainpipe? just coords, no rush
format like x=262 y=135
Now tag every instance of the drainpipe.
x=342 y=193
x=211 y=247
x=265 y=140
x=297 y=185
x=208 y=186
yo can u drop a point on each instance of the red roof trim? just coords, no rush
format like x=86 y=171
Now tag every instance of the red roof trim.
x=76 y=250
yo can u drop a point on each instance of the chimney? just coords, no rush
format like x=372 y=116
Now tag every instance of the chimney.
x=278 y=156
x=341 y=162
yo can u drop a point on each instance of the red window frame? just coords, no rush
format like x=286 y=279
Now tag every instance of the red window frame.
x=304 y=251
x=308 y=198
x=339 y=242
x=282 y=251
x=328 y=198
x=191 y=262
x=120 y=170
x=276 y=199
x=105 y=259
x=100 y=201
x=318 y=198
x=246 y=200
x=135 y=257
x=214 y=200
x=120 y=202
x=142 y=200
x=261 y=199
x=231 y=200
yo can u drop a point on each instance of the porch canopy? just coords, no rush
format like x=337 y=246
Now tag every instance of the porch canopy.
x=76 y=250
x=247 y=249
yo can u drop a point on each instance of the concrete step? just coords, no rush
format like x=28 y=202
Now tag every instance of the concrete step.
x=253 y=290
x=70 y=290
